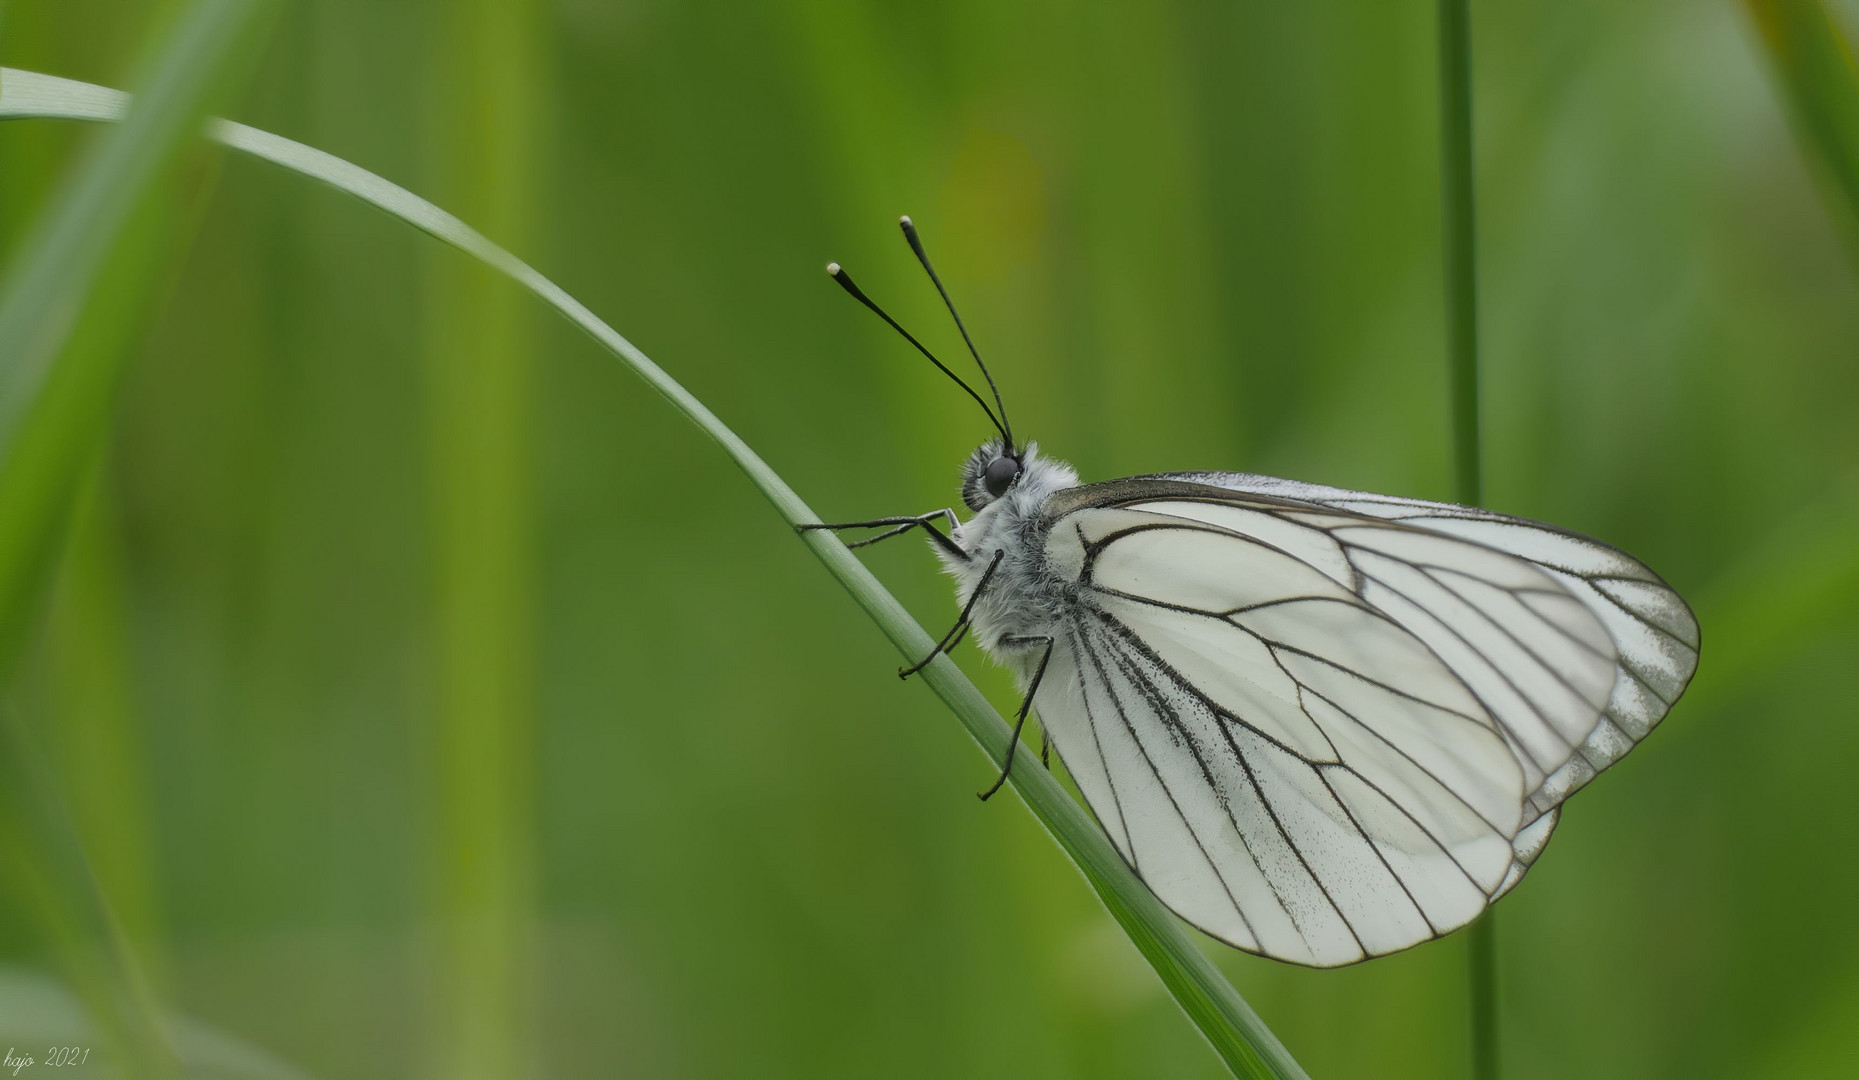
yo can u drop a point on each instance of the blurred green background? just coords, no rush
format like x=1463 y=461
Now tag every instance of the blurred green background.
x=431 y=700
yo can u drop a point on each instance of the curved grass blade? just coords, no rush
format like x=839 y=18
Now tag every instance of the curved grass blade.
x=1238 y=1036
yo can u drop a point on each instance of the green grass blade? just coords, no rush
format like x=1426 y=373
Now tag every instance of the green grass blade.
x=1814 y=64
x=480 y=356
x=53 y=419
x=53 y=415
x=89 y=718
x=1459 y=230
x=1236 y=1033
x=1458 y=225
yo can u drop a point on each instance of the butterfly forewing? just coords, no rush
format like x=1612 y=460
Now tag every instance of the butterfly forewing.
x=1653 y=632
x=1323 y=734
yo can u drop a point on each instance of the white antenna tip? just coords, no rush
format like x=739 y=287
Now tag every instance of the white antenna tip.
x=833 y=269
x=905 y=220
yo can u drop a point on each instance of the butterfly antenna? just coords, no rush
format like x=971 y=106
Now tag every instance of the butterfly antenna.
x=916 y=245
x=845 y=282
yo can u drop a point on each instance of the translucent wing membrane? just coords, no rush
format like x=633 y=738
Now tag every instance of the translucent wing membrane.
x=1324 y=734
x=1654 y=633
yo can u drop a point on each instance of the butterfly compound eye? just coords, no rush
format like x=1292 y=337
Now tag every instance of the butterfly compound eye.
x=1001 y=473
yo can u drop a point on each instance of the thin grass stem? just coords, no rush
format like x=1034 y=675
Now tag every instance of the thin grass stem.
x=1240 y=1039
x=1460 y=242
x=1458 y=225
x=478 y=393
x=1484 y=964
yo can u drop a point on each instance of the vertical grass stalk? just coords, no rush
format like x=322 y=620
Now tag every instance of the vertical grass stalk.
x=478 y=394
x=1483 y=956
x=1458 y=227
x=1460 y=242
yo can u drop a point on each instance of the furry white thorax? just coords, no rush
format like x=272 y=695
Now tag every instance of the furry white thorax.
x=1024 y=599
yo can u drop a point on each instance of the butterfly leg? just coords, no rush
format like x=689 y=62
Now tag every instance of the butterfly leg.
x=899 y=526
x=1025 y=706
x=961 y=622
x=908 y=524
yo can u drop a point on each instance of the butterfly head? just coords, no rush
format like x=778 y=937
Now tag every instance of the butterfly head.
x=997 y=472
x=990 y=471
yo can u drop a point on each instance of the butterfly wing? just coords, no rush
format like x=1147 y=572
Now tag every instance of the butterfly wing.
x=1314 y=732
x=1654 y=632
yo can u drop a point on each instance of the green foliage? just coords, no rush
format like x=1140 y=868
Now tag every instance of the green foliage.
x=56 y=386
x=52 y=416
x=480 y=806
x=1814 y=65
x=1187 y=235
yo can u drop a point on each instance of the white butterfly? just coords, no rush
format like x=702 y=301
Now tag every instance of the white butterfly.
x=1321 y=725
